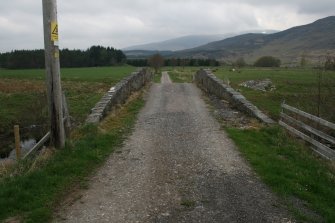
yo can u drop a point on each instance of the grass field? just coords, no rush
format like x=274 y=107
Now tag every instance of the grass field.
x=298 y=87
x=23 y=97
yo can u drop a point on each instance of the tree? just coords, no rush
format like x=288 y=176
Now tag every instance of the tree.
x=329 y=63
x=303 y=61
x=267 y=61
x=156 y=61
x=94 y=56
x=240 y=62
x=173 y=62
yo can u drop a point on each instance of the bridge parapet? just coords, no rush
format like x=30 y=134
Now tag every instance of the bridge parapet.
x=207 y=81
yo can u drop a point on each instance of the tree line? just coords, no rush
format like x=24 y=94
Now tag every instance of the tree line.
x=174 y=62
x=92 y=57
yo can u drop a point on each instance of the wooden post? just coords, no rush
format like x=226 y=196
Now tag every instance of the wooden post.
x=67 y=121
x=52 y=66
x=17 y=142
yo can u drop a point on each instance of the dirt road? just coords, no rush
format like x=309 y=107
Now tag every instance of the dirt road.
x=178 y=166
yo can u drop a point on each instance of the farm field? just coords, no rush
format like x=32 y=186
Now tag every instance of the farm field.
x=298 y=87
x=23 y=97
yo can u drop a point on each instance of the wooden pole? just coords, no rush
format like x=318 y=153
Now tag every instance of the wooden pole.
x=52 y=66
x=17 y=142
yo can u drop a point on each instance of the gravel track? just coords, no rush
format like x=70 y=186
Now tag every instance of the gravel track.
x=177 y=166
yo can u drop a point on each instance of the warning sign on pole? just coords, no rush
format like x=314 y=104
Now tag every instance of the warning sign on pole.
x=54 y=31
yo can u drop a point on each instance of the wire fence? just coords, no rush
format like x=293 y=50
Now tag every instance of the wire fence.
x=34 y=131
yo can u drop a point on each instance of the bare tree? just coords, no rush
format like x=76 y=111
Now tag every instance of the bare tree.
x=156 y=61
x=240 y=62
x=303 y=60
x=173 y=62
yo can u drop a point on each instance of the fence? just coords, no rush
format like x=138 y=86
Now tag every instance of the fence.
x=310 y=128
x=46 y=137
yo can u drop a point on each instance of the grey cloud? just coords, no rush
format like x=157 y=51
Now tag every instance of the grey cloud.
x=121 y=23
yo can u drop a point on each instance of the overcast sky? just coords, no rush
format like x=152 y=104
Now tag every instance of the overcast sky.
x=121 y=23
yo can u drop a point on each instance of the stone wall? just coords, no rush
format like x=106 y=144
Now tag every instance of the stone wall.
x=119 y=94
x=207 y=81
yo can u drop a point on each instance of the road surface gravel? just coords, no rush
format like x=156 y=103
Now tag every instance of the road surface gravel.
x=177 y=166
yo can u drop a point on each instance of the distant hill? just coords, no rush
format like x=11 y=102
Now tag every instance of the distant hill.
x=312 y=41
x=186 y=42
x=180 y=43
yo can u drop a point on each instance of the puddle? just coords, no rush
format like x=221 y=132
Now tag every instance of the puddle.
x=30 y=136
x=26 y=145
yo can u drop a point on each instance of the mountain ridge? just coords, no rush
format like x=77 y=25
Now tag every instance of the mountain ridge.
x=186 y=42
x=311 y=40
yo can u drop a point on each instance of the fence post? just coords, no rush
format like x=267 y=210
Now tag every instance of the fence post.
x=282 y=109
x=17 y=142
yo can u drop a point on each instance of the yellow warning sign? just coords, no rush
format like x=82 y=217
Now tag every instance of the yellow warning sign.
x=54 y=31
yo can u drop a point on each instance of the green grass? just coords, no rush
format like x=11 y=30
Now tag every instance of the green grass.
x=157 y=77
x=182 y=75
x=290 y=169
x=38 y=186
x=188 y=203
x=298 y=87
x=108 y=75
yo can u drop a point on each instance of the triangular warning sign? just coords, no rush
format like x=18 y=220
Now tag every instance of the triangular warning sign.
x=55 y=30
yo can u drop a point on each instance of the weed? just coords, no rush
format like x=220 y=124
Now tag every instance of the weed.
x=188 y=203
x=182 y=76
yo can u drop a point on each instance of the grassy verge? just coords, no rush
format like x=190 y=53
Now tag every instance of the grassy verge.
x=157 y=77
x=182 y=75
x=291 y=170
x=37 y=186
x=298 y=87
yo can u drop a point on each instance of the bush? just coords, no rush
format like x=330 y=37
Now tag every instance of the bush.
x=267 y=61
